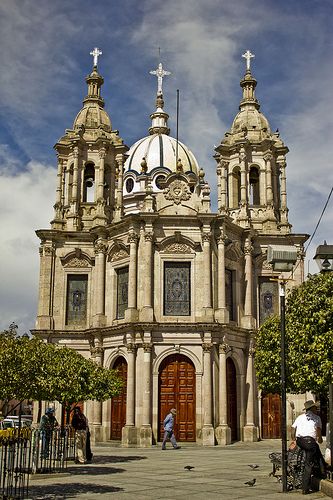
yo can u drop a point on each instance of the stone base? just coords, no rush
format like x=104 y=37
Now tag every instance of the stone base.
x=208 y=436
x=129 y=437
x=248 y=322
x=99 y=320
x=44 y=323
x=250 y=434
x=207 y=316
x=131 y=314
x=96 y=434
x=222 y=315
x=146 y=314
x=223 y=435
x=146 y=436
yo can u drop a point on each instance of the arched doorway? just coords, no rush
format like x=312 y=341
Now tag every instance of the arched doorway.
x=118 y=403
x=176 y=384
x=232 y=398
x=271 y=416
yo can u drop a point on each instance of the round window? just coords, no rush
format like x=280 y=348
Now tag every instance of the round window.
x=129 y=185
x=159 y=179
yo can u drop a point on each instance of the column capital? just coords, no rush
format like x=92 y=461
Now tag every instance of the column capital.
x=47 y=249
x=207 y=347
x=149 y=236
x=132 y=237
x=206 y=236
x=102 y=153
x=224 y=348
x=268 y=157
x=131 y=348
x=248 y=247
x=147 y=347
x=100 y=246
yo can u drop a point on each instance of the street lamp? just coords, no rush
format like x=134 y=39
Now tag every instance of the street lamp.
x=283 y=258
x=324 y=259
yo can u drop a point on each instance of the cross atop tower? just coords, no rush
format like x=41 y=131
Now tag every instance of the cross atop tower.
x=96 y=53
x=248 y=56
x=160 y=73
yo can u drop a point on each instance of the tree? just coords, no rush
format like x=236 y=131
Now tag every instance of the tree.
x=309 y=340
x=33 y=369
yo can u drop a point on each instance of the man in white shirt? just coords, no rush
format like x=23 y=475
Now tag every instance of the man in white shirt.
x=307 y=431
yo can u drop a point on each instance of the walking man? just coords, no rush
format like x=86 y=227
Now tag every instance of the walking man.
x=168 y=430
x=307 y=431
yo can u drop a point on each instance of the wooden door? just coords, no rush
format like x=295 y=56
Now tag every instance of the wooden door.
x=271 y=416
x=232 y=398
x=177 y=390
x=118 y=403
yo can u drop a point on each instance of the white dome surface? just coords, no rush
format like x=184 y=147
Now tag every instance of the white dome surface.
x=160 y=150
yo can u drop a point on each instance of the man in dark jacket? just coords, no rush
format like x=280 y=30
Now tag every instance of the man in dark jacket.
x=47 y=425
x=80 y=424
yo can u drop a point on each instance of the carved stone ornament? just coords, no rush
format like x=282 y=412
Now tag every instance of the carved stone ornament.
x=121 y=254
x=178 y=191
x=76 y=262
x=267 y=265
x=177 y=248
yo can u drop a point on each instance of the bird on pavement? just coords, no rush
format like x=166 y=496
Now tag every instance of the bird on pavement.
x=254 y=466
x=188 y=467
x=251 y=483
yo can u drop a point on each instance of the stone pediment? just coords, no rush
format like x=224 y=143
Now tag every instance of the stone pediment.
x=234 y=251
x=77 y=258
x=118 y=251
x=178 y=243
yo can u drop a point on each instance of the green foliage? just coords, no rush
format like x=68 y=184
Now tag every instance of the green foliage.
x=309 y=340
x=33 y=369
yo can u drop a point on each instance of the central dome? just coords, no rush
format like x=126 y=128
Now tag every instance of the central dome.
x=160 y=151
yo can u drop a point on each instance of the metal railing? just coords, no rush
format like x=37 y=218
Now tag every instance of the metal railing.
x=28 y=451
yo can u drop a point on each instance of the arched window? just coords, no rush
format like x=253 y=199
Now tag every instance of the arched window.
x=254 y=191
x=107 y=184
x=129 y=185
x=89 y=183
x=235 y=190
x=68 y=184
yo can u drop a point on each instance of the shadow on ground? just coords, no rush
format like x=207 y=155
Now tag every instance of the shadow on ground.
x=72 y=490
x=107 y=459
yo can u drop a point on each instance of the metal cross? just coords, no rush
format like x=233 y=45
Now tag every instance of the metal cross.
x=248 y=56
x=160 y=73
x=96 y=53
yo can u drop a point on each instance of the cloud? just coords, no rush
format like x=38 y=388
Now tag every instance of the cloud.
x=26 y=201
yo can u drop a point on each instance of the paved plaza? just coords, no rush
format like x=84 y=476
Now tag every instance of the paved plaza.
x=128 y=473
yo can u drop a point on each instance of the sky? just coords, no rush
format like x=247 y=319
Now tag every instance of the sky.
x=45 y=56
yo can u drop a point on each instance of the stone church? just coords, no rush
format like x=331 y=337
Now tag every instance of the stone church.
x=138 y=273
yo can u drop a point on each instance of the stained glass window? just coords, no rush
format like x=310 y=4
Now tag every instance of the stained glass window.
x=177 y=289
x=268 y=298
x=76 y=310
x=122 y=292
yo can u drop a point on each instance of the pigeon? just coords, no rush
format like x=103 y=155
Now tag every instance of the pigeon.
x=188 y=467
x=254 y=466
x=251 y=483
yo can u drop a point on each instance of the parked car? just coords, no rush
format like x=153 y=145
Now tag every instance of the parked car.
x=13 y=421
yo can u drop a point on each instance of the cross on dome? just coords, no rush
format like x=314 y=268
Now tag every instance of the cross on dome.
x=248 y=56
x=96 y=53
x=160 y=73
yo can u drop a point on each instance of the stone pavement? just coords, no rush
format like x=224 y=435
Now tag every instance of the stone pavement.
x=140 y=473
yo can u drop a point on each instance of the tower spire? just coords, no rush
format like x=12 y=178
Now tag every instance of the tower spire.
x=95 y=81
x=159 y=119
x=248 y=84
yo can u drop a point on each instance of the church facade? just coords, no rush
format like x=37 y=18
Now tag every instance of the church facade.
x=138 y=273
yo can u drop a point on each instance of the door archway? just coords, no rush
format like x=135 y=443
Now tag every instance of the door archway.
x=232 y=398
x=118 y=403
x=176 y=387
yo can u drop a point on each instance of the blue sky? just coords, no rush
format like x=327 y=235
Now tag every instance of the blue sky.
x=44 y=55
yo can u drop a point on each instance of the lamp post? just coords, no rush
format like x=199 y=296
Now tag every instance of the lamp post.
x=324 y=259
x=283 y=258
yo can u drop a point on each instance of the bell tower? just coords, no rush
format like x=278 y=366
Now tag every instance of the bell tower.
x=251 y=167
x=90 y=164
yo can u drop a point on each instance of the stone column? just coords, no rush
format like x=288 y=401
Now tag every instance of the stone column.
x=119 y=195
x=223 y=431
x=243 y=215
x=207 y=280
x=100 y=218
x=73 y=221
x=46 y=284
x=129 y=432
x=224 y=189
x=131 y=313
x=146 y=429
x=269 y=186
x=146 y=314
x=248 y=320
x=99 y=318
x=283 y=194
x=250 y=429
x=57 y=222
x=222 y=314
x=97 y=351
x=208 y=438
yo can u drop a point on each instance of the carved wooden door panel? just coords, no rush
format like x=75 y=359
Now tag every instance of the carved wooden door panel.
x=118 y=403
x=232 y=398
x=177 y=390
x=271 y=416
